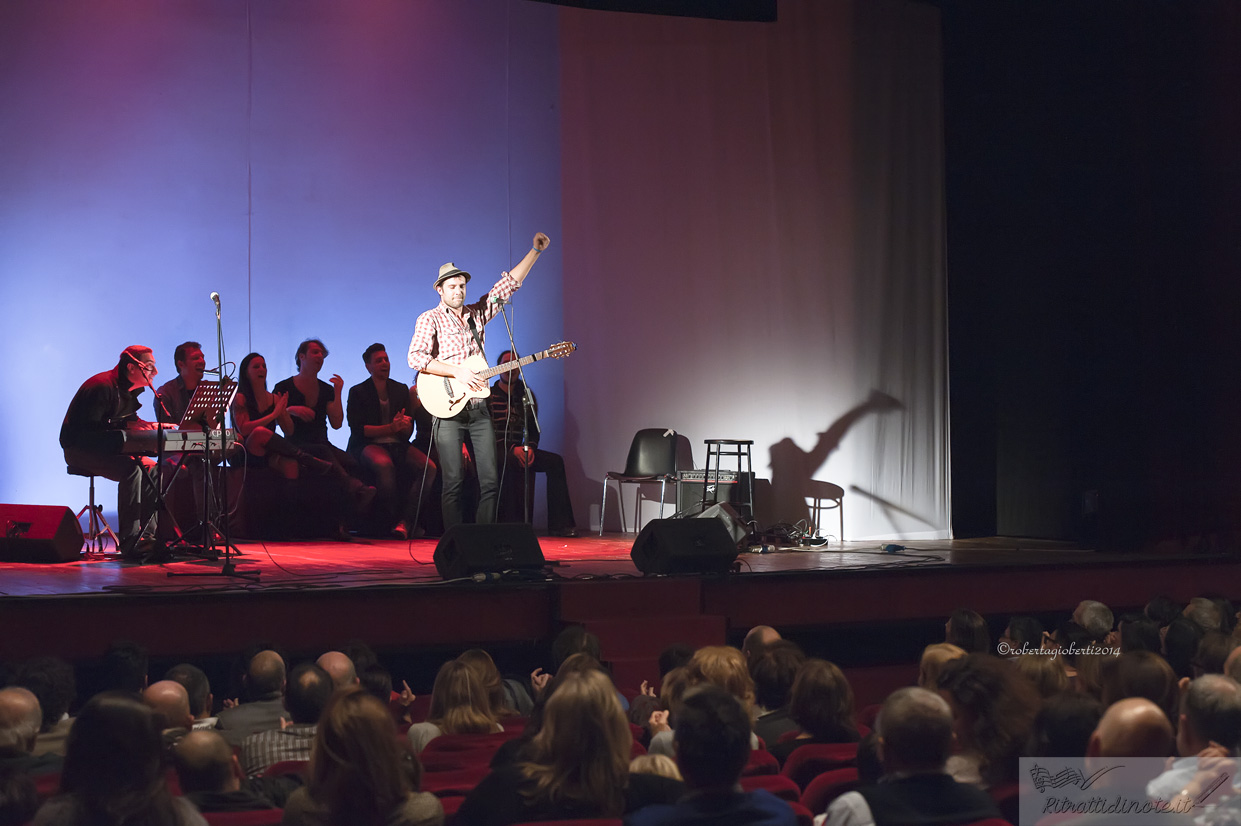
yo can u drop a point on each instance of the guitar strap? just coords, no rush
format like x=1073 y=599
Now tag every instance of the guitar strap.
x=477 y=337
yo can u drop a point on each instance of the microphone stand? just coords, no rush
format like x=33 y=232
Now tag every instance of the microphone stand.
x=527 y=410
x=228 y=569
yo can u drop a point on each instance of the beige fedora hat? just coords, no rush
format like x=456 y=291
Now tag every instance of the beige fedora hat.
x=450 y=270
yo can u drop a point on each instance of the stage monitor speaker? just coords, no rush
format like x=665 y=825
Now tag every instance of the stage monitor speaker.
x=39 y=533
x=731 y=520
x=683 y=546
x=465 y=550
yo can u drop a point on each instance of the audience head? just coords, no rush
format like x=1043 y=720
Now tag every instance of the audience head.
x=1139 y=674
x=1232 y=665
x=171 y=704
x=1095 y=617
x=968 y=630
x=574 y=640
x=1162 y=610
x=672 y=689
x=125 y=665
x=20 y=719
x=313 y=352
x=1071 y=638
x=1213 y=651
x=1180 y=645
x=340 y=668
x=114 y=761
x=724 y=666
x=674 y=656
x=1064 y=724
x=1204 y=612
x=361 y=654
x=934 y=657
x=306 y=695
x=821 y=701
x=1227 y=614
x=1140 y=635
x=712 y=738
x=581 y=754
x=205 y=763
x=359 y=770
x=265 y=675
x=657 y=764
x=192 y=678
x=50 y=679
x=1047 y=674
x=485 y=668
x=773 y=672
x=19 y=799
x=1210 y=713
x=915 y=731
x=1023 y=633
x=1134 y=727
x=756 y=639
x=869 y=765
x=459 y=702
x=994 y=708
x=376 y=681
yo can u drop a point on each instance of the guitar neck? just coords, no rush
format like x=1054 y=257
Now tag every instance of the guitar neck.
x=511 y=365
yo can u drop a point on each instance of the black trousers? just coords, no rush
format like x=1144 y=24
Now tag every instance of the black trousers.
x=559 y=507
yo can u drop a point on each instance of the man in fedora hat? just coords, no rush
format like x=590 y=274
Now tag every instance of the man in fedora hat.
x=444 y=337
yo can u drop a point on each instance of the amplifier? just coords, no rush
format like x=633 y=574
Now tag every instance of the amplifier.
x=729 y=486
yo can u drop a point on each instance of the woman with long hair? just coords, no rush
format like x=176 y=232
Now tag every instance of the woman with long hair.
x=256 y=412
x=577 y=766
x=359 y=771
x=993 y=710
x=459 y=705
x=493 y=683
x=821 y=703
x=114 y=771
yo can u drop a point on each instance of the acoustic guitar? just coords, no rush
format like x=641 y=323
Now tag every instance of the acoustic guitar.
x=445 y=397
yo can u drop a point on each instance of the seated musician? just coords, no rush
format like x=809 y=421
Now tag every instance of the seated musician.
x=511 y=419
x=380 y=415
x=174 y=396
x=312 y=404
x=105 y=404
x=255 y=415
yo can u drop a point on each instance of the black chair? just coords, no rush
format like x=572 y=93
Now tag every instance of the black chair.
x=652 y=458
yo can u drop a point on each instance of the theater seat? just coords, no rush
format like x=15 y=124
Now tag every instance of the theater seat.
x=255 y=817
x=806 y=763
x=827 y=787
x=778 y=785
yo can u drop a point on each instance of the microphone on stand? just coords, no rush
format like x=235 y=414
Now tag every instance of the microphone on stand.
x=216 y=298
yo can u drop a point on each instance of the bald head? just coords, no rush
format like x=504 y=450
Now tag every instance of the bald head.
x=340 y=667
x=758 y=637
x=170 y=700
x=205 y=763
x=20 y=718
x=1133 y=727
x=265 y=675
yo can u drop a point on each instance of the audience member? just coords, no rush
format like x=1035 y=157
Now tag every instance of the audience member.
x=968 y=630
x=359 y=772
x=51 y=679
x=719 y=665
x=934 y=658
x=114 y=771
x=513 y=750
x=1162 y=610
x=676 y=655
x=1140 y=634
x=198 y=687
x=340 y=668
x=210 y=777
x=508 y=697
x=1210 y=715
x=1205 y=613
x=1133 y=727
x=915 y=729
x=171 y=704
x=1095 y=617
x=659 y=764
x=459 y=705
x=124 y=667
x=712 y=747
x=264 y=684
x=1213 y=651
x=1227 y=614
x=1063 y=726
x=773 y=672
x=20 y=719
x=19 y=799
x=756 y=639
x=1140 y=674
x=1180 y=645
x=994 y=709
x=869 y=764
x=1047 y=674
x=577 y=766
x=305 y=697
x=1022 y=634
x=821 y=703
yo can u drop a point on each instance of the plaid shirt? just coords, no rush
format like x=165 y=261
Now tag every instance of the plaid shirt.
x=261 y=751
x=439 y=334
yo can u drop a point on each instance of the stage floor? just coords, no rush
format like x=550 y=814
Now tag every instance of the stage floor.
x=369 y=562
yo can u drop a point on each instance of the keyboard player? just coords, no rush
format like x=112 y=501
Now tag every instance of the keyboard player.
x=106 y=403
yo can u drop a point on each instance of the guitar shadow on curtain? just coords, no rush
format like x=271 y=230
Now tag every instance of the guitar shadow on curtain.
x=793 y=469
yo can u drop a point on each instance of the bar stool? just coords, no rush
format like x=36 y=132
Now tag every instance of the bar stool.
x=739 y=448
x=98 y=525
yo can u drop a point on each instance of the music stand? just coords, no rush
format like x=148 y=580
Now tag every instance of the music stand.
x=206 y=409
